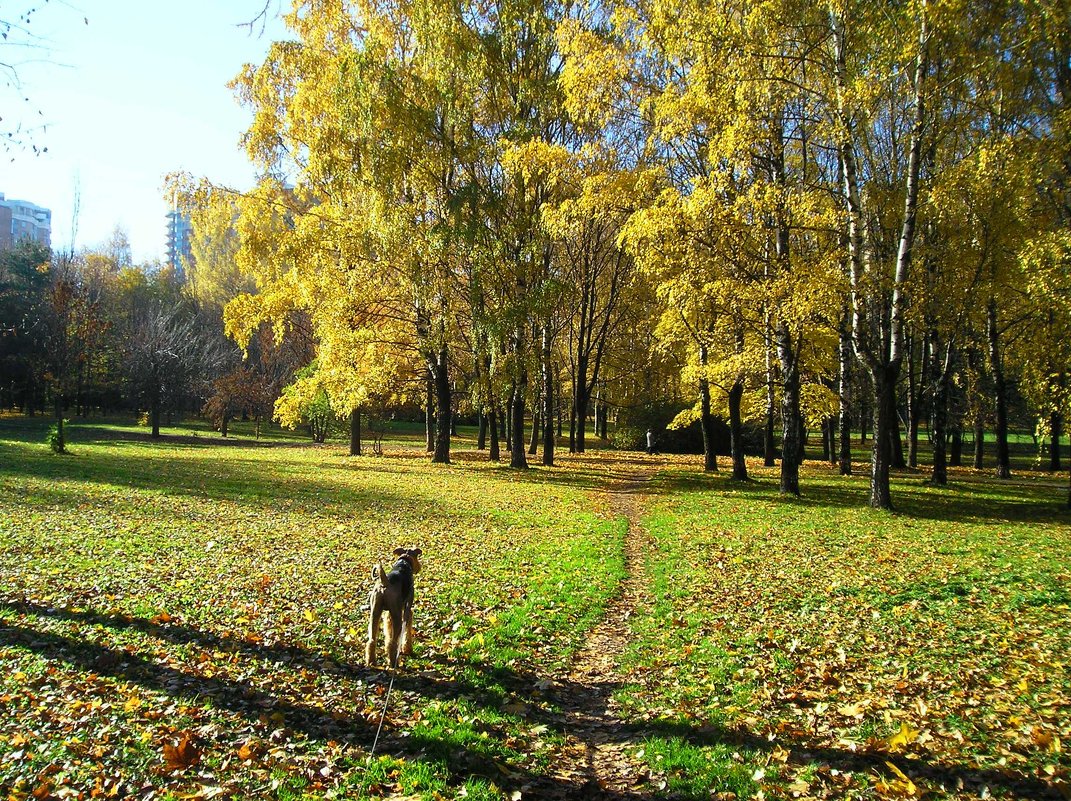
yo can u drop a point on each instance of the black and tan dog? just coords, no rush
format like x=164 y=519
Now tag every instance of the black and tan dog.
x=393 y=593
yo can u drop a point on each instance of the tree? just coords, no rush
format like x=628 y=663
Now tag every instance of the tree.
x=368 y=230
x=306 y=403
x=868 y=46
x=213 y=275
x=24 y=289
x=165 y=353
x=17 y=40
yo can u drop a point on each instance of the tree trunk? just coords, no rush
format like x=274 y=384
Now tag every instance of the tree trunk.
x=831 y=441
x=915 y=378
x=61 y=433
x=355 y=432
x=429 y=420
x=979 y=441
x=548 y=405
x=1000 y=389
x=438 y=365
x=581 y=401
x=706 y=421
x=844 y=395
x=938 y=435
x=1055 y=432
x=481 y=435
x=884 y=382
x=955 y=456
x=769 y=446
x=790 y=411
x=223 y=425
x=154 y=408
x=492 y=424
x=896 y=443
x=736 y=431
x=518 y=460
x=596 y=411
x=537 y=427
x=572 y=427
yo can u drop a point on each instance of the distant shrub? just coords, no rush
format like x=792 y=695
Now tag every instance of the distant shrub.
x=56 y=439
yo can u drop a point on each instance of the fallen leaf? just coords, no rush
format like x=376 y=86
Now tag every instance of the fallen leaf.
x=902 y=738
x=181 y=755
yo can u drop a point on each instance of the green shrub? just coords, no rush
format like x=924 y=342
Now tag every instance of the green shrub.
x=56 y=438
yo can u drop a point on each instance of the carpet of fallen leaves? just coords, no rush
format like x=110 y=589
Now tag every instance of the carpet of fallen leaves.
x=183 y=620
x=856 y=652
x=189 y=621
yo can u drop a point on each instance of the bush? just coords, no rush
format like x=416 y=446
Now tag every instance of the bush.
x=56 y=439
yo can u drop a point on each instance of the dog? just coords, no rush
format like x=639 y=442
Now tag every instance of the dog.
x=393 y=593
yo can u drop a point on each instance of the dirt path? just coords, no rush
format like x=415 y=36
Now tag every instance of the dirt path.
x=599 y=760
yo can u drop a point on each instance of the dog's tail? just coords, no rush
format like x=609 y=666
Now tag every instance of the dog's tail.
x=379 y=574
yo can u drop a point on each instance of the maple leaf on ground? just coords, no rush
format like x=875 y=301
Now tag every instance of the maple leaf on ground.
x=902 y=738
x=181 y=755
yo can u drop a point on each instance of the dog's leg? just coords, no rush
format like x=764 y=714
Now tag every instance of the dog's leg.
x=407 y=629
x=376 y=600
x=394 y=634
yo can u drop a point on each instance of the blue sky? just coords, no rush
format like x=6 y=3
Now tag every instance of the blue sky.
x=138 y=92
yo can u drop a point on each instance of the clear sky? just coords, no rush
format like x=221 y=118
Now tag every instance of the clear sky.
x=137 y=92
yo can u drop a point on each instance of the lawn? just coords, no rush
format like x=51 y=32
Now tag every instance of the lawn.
x=185 y=619
x=861 y=652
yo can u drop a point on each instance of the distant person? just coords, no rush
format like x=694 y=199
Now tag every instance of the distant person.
x=650 y=441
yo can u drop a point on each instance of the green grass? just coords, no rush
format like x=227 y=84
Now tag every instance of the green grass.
x=218 y=591
x=819 y=625
x=189 y=591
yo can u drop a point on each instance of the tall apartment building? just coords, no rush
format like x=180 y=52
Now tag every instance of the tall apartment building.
x=178 y=241
x=21 y=219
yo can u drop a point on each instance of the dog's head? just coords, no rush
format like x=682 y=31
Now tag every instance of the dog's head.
x=411 y=555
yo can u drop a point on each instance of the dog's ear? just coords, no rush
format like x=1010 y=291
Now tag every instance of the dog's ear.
x=399 y=551
x=417 y=552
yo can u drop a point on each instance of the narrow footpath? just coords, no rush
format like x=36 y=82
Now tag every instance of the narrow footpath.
x=599 y=759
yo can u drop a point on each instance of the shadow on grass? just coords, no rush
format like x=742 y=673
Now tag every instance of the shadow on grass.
x=582 y=708
x=967 y=498
x=248 y=481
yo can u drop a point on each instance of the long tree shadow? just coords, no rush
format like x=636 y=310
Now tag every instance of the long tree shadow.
x=245 y=481
x=594 y=699
x=311 y=719
x=959 y=502
x=442 y=678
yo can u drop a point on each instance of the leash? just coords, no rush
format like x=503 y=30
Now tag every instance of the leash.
x=383 y=715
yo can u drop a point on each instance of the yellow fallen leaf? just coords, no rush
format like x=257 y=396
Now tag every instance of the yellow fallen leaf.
x=902 y=738
x=903 y=787
x=309 y=615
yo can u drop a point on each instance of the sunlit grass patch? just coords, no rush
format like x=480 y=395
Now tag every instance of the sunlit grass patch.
x=938 y=634
x=213 y=599
x=718 y=771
